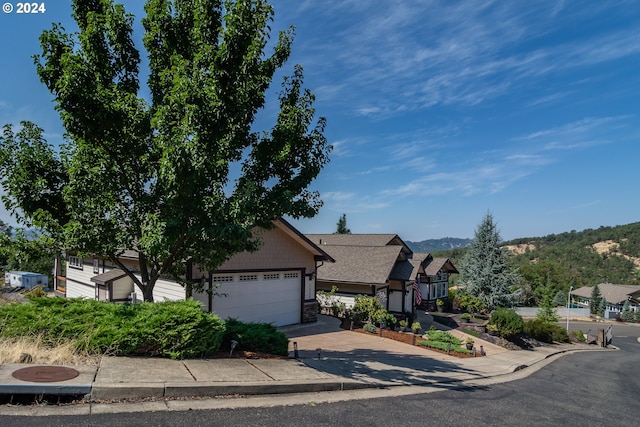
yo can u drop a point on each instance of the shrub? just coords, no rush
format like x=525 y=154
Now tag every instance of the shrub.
x=416 y=326
x=35 y=292
x=546 y=331
x=442 y=341
x=176 y=329
x=257 y=337
x=330 y=304
x=579 y=335
x=366 y=309
x=370 y=327
x=465 y=316
x=442 y=336
x=508 y=322
x=444 y=346
x=471 y=303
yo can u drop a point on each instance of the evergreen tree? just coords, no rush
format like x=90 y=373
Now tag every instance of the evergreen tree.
x=627 y=314
x=484 y=270
x=560 y=299
x=596 y=297
x=342 y=225
x=547 y=311
x=602 y=307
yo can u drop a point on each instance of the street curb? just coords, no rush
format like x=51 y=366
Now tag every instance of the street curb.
x=176 y=390
x=51 y=389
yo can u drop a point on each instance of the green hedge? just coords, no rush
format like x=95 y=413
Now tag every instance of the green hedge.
x=176 y=329
x=259 y=337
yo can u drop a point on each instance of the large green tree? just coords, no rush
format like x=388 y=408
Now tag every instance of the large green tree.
x=484 y=271
x=182 y=175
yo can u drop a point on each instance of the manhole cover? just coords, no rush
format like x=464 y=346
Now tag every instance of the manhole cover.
x=45 y=374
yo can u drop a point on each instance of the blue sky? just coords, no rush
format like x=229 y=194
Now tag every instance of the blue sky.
x=440 y=111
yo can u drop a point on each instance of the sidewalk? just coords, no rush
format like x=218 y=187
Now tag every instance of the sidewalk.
x=346 y=360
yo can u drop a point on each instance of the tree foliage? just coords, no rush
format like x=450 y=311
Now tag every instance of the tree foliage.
x=180 y=176
x=578 y=261
x=342 y=225
x=484 y=270
x=595 y=300
x=27 y=252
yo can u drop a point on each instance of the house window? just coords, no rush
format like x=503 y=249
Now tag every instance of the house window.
x=291 y=275
x=248 y=277
x=222 y=279
x=75 y=262
x=96 y=269
x=272 y=276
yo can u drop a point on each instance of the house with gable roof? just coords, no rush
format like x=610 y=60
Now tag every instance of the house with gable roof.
x=276 y=284
x=615 y=295
x=381 y=265
x=432 y=276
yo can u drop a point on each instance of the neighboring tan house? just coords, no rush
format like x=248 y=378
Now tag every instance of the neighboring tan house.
x=380 y=265
x=276 y=284
x=615 y=295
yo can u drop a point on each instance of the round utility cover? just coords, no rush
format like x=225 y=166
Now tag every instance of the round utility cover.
x=45 y=374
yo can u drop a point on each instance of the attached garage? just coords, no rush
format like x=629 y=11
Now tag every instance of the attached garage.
x=270 y=297
x=275 y=284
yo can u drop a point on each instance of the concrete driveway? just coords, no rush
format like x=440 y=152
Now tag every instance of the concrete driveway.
x=335 y=342
x=369 y=358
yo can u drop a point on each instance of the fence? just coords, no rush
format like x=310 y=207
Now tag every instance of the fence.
x=561 y=311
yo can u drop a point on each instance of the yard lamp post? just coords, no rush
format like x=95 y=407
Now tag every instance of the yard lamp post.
x=568 y=306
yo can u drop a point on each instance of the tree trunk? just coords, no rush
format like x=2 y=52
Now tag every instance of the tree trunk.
x=147 y=292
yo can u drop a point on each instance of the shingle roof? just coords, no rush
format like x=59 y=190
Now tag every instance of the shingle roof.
x=351 y=239
x=109 y=276
x=430 y=265
x=614 y=294
x=438 y=264
x=359 y=240
x=403 y=270
x=359 y=264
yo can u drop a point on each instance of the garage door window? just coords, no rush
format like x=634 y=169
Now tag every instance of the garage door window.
x=290 y=275
x=248 y=277
x=271 y=276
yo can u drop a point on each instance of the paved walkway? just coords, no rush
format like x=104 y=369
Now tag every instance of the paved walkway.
x=346 y=360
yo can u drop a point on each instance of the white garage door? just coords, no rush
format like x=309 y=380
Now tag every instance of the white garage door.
x=272 y=297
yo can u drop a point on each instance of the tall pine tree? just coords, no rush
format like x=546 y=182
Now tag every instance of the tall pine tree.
x=484 y=270
x=596 y=297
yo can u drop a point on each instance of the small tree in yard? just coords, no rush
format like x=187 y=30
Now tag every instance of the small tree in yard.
x=596 y=298
x=484 y=271
x=182 y=175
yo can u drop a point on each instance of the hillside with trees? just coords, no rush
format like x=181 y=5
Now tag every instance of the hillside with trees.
x=434 y=245
x=551 y=264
